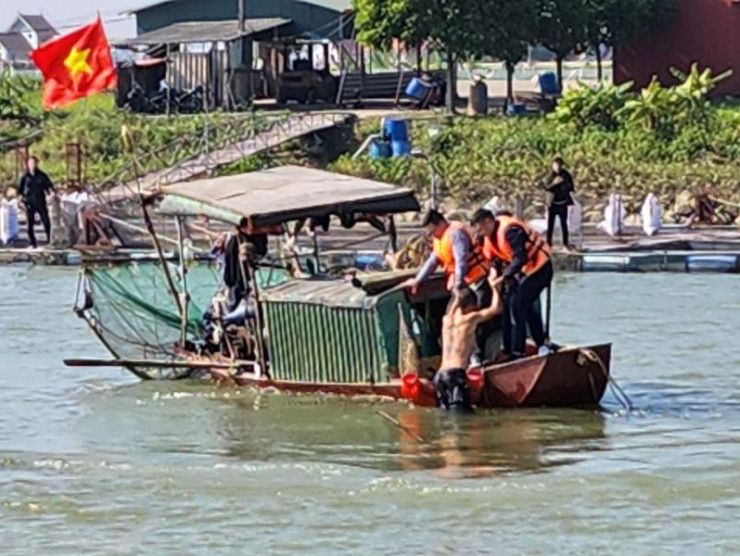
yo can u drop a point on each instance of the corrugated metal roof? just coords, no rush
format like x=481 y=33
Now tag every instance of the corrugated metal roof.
x=283 y=194
x=206 y=31
x=337 y=5
x=41 y=25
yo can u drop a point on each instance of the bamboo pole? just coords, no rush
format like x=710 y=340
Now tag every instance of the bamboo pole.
x=132 y=363
x=185 y=295
x=162 y=259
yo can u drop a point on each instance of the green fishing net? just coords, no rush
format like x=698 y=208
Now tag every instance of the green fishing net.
x=135 y=311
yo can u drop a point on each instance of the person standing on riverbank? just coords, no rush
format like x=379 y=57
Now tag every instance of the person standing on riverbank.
x=560 y=187
x=34 y=187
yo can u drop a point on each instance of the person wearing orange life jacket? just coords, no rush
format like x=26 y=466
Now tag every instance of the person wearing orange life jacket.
x=528 y=272
x=455 y=250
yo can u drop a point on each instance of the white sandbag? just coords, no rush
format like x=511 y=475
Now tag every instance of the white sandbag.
x=614 y=215
x=651 y=214
x=575 y=218
x=539 y=225
x=9 y=228
x=493 y=204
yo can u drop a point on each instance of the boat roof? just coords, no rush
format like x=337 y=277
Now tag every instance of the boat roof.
x=284 y=194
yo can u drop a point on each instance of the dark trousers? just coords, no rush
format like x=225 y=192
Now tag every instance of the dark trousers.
x=43 y=212
x=484 y=296
x=521 y=310
x=561 y=212
x=453 y=392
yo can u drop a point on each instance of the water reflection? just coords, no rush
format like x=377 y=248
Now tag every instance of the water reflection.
x=279 y=427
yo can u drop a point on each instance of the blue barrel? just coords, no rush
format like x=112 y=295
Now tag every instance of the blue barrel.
x=417 y=89
x=396 y=130
x=712 y=263
x=380 y=150
x=401 y=148
x=548 y=83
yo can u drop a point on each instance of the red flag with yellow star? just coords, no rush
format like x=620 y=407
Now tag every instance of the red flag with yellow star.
x=75 y=65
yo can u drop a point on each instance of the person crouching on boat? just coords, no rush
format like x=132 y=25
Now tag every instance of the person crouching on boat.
x=528 y=272
x=458 y=342
x=454 y=249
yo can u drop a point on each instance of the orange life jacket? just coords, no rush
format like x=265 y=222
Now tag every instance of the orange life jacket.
x=477 y=268
x=538 y=252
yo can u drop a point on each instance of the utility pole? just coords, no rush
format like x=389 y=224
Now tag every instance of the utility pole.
x=242 y=15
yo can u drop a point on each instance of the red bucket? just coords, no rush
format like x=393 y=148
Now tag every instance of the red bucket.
x=410 y=387
x=475 y=383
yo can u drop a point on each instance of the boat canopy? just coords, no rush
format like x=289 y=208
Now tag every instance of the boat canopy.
x=284 y=194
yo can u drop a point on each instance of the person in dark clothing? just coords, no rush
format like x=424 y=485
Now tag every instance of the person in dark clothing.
x=34 y=186
x=560 y=186
x=527 y=272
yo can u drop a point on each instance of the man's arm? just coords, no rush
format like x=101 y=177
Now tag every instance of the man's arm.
x=496 y=307
x=517 y=239
x=48 y=185
x=429 y=267
x=461 y=248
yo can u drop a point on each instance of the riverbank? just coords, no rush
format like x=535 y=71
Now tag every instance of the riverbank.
x=674 y=249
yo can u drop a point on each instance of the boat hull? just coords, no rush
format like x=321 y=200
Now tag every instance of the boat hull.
x=572 y=377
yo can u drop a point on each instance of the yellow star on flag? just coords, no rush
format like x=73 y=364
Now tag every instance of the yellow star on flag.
x=76 y=61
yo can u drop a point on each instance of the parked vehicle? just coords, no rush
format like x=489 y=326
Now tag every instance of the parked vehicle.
x=306 y=85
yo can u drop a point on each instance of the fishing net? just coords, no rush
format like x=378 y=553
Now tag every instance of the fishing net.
x=135 y=312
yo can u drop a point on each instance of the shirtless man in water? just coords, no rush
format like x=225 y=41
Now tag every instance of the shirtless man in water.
x=458 y=343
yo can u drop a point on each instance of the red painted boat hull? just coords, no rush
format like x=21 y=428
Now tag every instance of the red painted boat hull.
x=568 y=378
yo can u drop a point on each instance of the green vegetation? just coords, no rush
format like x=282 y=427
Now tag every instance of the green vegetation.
x=664 y=141
x=95 y=123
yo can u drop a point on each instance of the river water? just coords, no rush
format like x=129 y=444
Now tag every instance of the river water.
x=93 y=462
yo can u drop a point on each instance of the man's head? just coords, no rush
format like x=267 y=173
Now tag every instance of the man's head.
x=467 y=301
x=484 y=222
x=32 y=163
x=557 y=164
x=434 y=224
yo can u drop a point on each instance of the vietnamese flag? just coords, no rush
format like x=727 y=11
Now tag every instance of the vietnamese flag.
x=75 y=65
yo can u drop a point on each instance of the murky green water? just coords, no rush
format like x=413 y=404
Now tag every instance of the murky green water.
x=94 y=462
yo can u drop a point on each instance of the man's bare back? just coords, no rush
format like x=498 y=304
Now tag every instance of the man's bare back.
x=458 y=339
x=458 y=332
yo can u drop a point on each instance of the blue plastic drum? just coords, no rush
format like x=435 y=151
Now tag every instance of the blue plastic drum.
x=417 y=89
x=548 y=83
x=401 y=148
x=380 y=150
x=396 y=130
x=712 y=263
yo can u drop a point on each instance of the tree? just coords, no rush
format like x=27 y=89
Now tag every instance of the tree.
x=451 y=24
x=511 y=27
x=618 y=22
x=562 y=28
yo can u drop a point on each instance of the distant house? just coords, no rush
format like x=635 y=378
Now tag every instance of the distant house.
x=26 y=33
x=703 y=31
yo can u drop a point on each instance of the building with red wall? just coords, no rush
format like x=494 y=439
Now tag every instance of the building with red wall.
x=703 y=31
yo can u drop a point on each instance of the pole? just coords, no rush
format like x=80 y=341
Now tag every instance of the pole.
x=242 y=16
x=251 y=277
x=162 y=259
x=548 y=312
x=184 y=295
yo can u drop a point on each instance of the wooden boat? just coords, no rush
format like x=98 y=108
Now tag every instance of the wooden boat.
x=358 y=337
x=572 y=377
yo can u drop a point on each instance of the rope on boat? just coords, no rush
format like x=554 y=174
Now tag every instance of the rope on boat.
x=617 y=390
